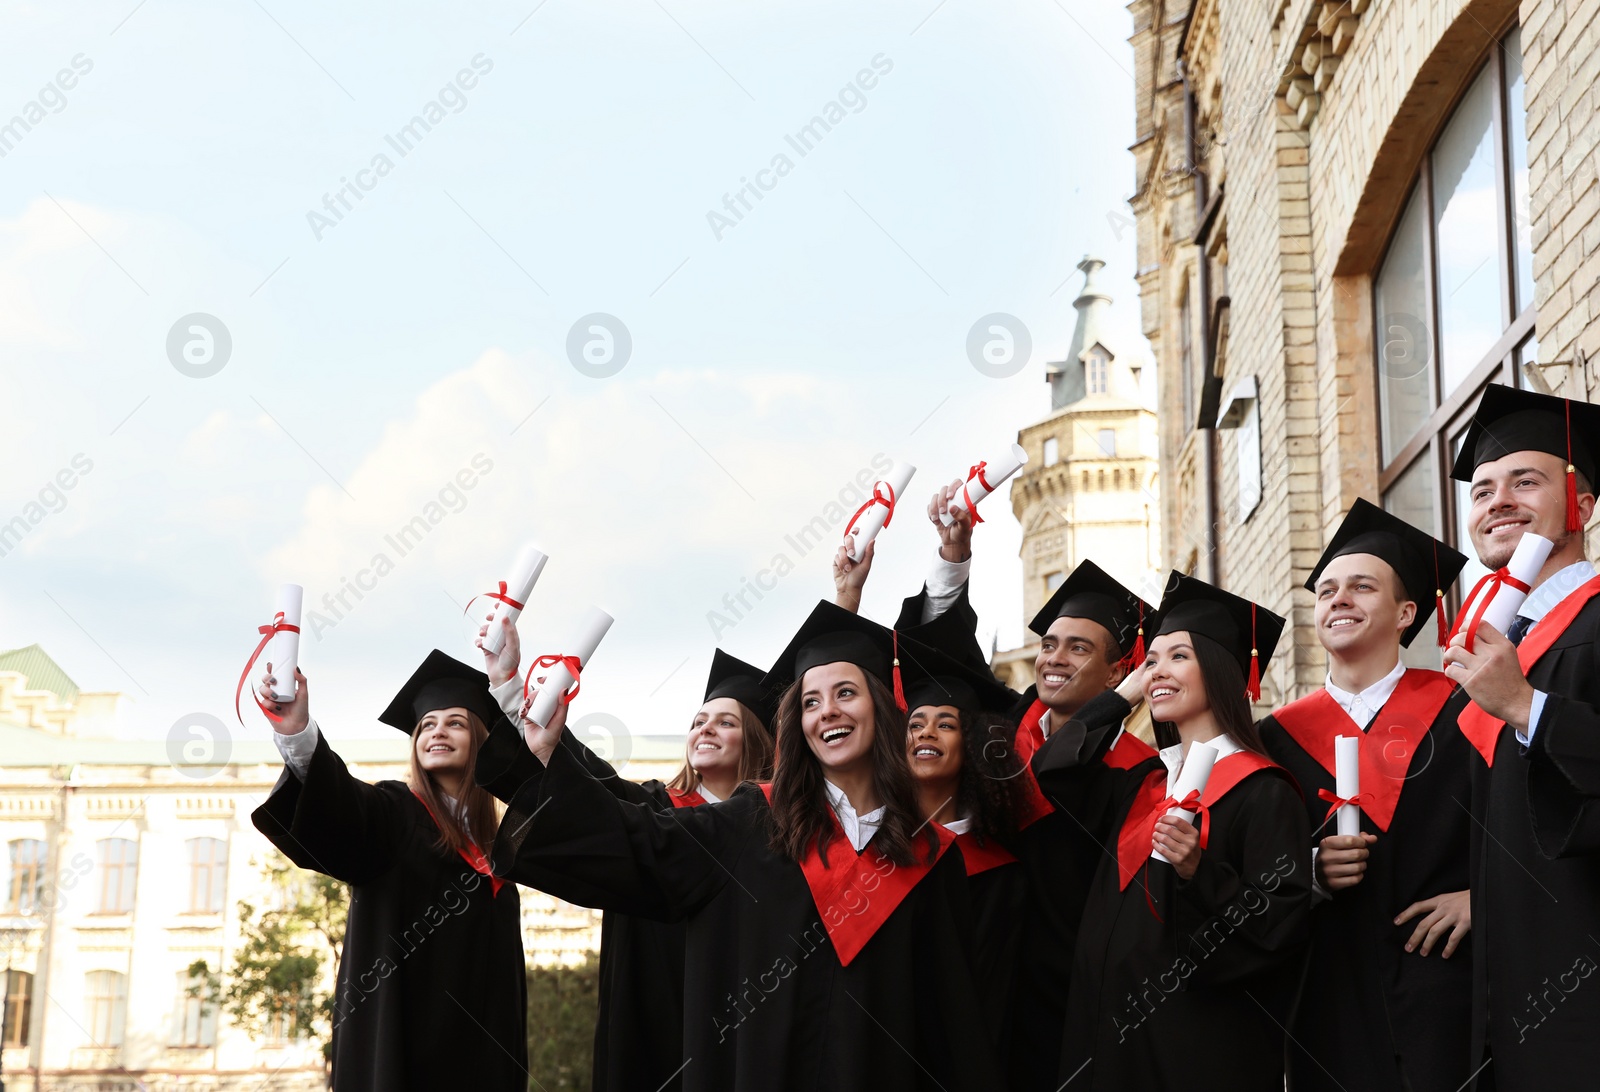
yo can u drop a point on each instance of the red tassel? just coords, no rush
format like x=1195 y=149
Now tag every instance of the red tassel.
x=1254 y=686
x=899 y=687
x=1573 y=525
x=1444 y=626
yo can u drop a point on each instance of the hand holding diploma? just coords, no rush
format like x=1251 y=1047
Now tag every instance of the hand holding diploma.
x=1347 y=782
x=955 y=537
x=850 y=577
x=512 y=596
x=291 y=717
x=983 y=479
x=283 y=634
x=500 y=664
x=1192 y=778
x=1496 y=598
x=565 y=668
x=875 y=515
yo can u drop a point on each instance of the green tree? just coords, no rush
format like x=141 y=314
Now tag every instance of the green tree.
x=563 y=1004
x=279 y=981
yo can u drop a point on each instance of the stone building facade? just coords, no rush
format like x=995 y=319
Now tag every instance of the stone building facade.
x=1352 y=214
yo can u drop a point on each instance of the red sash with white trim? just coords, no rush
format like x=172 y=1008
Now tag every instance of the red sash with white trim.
x=1126 y=753
x=681 y=799
x=1386 y=749
x=857 y=892
x=1482 y=730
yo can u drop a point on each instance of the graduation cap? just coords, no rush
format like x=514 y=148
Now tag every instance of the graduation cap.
x=1508 y=419
x=934 y=676
x=1090 y=592
x=1249 y=632
x=833 y=635
x=1426 y=567
x=731 y=677
x=442 y=682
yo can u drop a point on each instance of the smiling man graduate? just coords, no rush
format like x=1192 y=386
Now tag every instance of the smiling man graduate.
x=1529 y=459
x=1386 y=1004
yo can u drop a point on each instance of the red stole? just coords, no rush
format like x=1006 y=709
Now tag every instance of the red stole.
x=1134 y=842
x=981 y=858
x=681 y=799
x=857 y=896
x=1482 y=730
x=1386 y=750
x=471 y=854
x=1126 y=753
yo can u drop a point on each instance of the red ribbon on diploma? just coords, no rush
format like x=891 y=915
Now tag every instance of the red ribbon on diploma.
x=573 y=667
x=975 y=472
x=1335 y=802
x=500 y=595
x=1496 y=580
x=272 y=629
x=877 y=497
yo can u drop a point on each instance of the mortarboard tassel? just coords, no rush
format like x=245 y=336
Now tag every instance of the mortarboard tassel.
x=1438 y=599
x=1254 y=687
x=1573 y=525
x=899 y=687
x=1138 y=640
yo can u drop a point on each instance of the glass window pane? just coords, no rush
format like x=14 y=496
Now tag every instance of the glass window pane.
x=1405 y=332
x=1475 y=569
x=1411 y=499
x=1517 y=146
x=1465 y=230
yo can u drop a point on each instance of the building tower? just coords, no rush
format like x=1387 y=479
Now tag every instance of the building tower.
x=1089 y=489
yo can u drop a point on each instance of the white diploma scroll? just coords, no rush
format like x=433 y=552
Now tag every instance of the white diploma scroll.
x=872 y=520
x=1347 y=781
x=524 y=574
x=995 y=472
x=558 y=678
x=284 y=654
x=1526 y=561
x=1192 y=777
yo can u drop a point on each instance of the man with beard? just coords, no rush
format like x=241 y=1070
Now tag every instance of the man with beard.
x=1535 y=719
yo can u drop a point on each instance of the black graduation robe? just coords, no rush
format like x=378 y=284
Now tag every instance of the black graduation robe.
x=431 y=990
x=998 y=889
x=1195 y=1001
x=1536 y=866
x=1372 y=1015
x=638 y=1035
x=863 y=990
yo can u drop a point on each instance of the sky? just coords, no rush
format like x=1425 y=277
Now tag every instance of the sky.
x=255 y=319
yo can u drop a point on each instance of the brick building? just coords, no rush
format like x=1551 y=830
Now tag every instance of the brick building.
x=1352 y=214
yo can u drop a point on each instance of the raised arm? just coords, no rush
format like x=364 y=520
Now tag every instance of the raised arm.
x=320 y=816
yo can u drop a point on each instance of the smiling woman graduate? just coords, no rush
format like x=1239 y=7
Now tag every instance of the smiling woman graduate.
x=431 y=989
x=1185 y=965
x=638 y=1036
x=828 y=943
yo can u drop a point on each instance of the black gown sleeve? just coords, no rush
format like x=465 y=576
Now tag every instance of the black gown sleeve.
x=567 y=834
x=1564 y=778
x=1245 y=912
x=332 y=822
x=505 y=766
x=1069 y=768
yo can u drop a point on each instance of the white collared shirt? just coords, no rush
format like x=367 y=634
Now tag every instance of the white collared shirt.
x=1540 y=602
x=707 y=795
x=1172 y=756
x=296 y=749
x=859 y=829
x=1364 y=706
x=943 y=585
x=959 y=826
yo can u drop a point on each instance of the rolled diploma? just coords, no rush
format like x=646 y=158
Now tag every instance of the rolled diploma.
x=996 y=471
x=872 y=520
x=1526 y=561
x=1347 y=781
x=285 y=645
x=1192 y=777
x=594 y=627
x=524 y=575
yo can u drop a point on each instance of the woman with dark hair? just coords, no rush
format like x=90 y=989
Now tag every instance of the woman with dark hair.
x=1187 y=953
x=431 y=990
x=638 y=1035
x=827 y=936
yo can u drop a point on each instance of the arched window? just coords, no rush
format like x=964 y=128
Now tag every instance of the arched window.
x=24 y=889
x=1453 y=296
x=1100 y=480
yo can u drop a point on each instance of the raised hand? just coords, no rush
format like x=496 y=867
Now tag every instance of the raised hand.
x=955 y=541
x=296 y=714
x=849 y=577
x=501 y=665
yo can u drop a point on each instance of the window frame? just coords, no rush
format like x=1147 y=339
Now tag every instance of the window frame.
x=215 y=871
x=120 y=868
x=1432 y=437
x=14 y=876
x=14 y=1035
